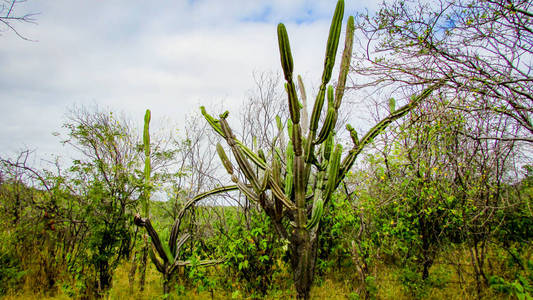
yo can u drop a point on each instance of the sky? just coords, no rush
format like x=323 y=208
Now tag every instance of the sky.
x=127 y=56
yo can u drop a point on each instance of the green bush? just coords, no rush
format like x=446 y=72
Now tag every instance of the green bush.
x=11 y=272
x=251 y=255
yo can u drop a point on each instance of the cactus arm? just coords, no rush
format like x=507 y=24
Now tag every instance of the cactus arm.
x=264 y=181
x=285 y=52
x=345 y=62
x=215 y=124
x=353 y=135
x=243 y=163
x=276 y=169
x=147 y=163
x=247 y=191
x=188 y=204
x=333 y=41
x=331 y=50
x=287 y=66
x=294 y=105
x=328 y=146
x=156 y=242
x=335 y=102
x=329 y=122
x=289 y=170
x=348 y=161
x=329 y=61
x=305 y=115
x=316 y=214
x=333 y=170
x=224 y=158
x=296 y=131
x=183 y=239
x=278 y=193
x=158 y=264
x=255 y=158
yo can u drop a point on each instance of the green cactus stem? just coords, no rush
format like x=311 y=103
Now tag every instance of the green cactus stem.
x=147 y=162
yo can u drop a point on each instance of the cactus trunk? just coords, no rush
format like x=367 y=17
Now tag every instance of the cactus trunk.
x=303 y=254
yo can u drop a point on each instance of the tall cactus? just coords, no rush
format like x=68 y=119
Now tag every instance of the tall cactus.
x=145 y=202
x=164 y=256
x=147 y=163
x=146 y=192
x=313 y=168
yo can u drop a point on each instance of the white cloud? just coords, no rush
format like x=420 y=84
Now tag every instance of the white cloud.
x=130 y=56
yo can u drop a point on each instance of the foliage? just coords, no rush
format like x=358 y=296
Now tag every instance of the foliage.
x=251 y=252
x=521 y=288
x=106 y=180
x=419 y=194
x=340 y=225
x=11 y=270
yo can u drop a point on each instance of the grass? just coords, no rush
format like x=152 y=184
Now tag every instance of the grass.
x=338 y=284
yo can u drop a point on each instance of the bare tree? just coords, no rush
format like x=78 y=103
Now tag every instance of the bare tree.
x=483 y=48
x=259 y=110
x=8 y=17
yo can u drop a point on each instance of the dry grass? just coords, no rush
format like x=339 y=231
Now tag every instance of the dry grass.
x=339 y=285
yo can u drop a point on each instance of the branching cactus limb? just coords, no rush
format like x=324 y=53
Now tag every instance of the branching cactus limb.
x=166 y=257
x=359 y=145
x=258 y=185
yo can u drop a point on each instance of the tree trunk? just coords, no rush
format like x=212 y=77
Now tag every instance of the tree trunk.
x=303 y=251
x=104 y=276
x=133 y=269
x=166 y=283
x=142 y=267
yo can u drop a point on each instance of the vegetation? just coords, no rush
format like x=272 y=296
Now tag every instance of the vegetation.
x=439 y=204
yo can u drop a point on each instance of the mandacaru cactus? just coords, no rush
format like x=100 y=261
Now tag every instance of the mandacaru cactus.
x=166 y=256
x=147 y=163
x=145 y=203
x=145 y=197
x=297 y=184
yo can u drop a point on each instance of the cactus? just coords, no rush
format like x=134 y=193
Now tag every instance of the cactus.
x=392 y=105
x=308 y=174
x=147 y=163
x=145 y=202
x=166 y=256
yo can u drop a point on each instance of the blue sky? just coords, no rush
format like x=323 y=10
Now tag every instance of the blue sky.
x=169 y=56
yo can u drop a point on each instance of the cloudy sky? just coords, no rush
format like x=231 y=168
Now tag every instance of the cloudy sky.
x=127 y=56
